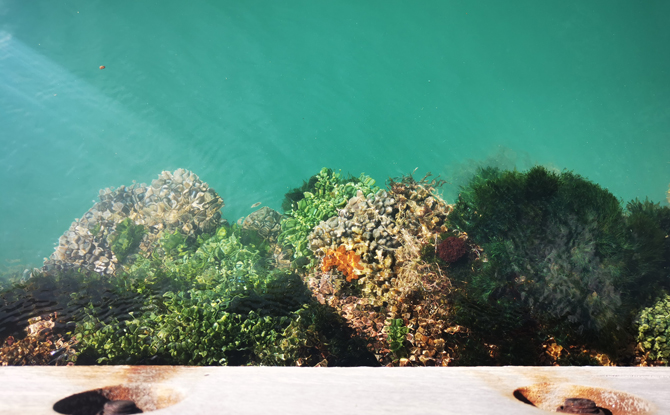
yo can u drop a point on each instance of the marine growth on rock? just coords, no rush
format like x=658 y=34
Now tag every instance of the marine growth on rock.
x=399 y=301
x=177 y=201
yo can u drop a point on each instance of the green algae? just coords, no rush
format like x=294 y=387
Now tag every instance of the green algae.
x=218 y=305
x=126 y=239
x=329 y=192
x=654 y=330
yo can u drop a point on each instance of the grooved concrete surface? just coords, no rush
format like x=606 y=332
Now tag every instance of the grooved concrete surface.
x=342 y=391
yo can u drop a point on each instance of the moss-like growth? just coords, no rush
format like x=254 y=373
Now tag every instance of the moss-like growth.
x=126 y=239
x=647 y=253
x=330 y=193
x=654 y=330
x=554 y=244
x=96 y=229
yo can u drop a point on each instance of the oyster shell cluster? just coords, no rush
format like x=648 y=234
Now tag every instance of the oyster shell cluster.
x=389 y=230
x=365 y=226
x=177 y=200
x=265 y=221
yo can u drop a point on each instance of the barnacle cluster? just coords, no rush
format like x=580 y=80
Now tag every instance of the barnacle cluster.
x=177 y=201
x=265 y=221
x=364 y=226
x=389 y=230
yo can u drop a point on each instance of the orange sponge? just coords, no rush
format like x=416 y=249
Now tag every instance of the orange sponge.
x=346 y=262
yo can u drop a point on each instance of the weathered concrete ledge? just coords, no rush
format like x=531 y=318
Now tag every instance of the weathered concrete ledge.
x=273 y=390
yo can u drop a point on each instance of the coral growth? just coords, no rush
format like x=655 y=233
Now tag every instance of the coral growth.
x=451 y=249
x=347 y=262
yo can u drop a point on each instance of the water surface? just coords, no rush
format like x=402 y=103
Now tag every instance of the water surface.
x=256 y=96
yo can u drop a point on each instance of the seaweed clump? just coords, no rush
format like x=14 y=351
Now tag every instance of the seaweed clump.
x=38 y=312
x=559 y=264
x=654 y=331
x=125 y=239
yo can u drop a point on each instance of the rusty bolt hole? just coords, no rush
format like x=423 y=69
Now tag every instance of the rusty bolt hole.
x=576 y=399
x=117 y=400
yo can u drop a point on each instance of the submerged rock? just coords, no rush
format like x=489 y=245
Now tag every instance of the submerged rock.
x=174 y=201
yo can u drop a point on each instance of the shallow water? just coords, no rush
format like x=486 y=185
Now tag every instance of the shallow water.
x=256 y=97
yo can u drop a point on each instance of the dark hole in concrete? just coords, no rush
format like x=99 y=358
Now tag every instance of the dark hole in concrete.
x=582 y=406
x=85 y=403
x=577 y=399
x=94 y=403
x=126 y=399
x=519 y=396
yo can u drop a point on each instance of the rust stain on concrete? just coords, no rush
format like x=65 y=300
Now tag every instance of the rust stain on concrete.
x=550 y=396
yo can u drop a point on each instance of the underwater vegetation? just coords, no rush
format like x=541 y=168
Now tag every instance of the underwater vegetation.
x=324 y=194
x=125 y=239
x=654 y=330
x=451 y=249
x=218 y=305
x=37 y=312
x=534 y=268
x=563 y=262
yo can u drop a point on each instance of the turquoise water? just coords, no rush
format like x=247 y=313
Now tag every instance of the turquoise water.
x=256 y=96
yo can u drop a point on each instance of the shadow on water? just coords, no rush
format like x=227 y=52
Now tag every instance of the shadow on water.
x=68 y=297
